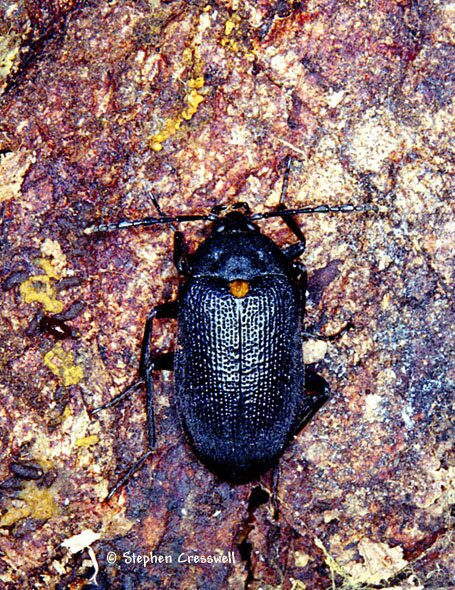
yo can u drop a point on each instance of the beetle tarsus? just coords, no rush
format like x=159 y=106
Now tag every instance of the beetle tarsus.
x=128 y=475
x=329 y=337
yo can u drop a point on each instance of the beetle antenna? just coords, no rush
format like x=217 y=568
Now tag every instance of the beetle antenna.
x=347 y=208
x=146 y=222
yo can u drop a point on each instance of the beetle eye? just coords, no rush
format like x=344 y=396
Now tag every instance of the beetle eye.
x=220 y=228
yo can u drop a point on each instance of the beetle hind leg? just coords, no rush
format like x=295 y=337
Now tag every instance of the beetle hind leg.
x=317 y=392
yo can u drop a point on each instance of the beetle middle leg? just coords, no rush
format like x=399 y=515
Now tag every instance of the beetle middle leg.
x=317 y=392
x=149 y=362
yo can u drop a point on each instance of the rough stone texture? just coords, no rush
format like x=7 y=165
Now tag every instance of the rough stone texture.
x=199 y=103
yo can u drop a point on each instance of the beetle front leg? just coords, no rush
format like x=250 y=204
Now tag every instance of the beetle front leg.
x=294 y=250
x=179 y=254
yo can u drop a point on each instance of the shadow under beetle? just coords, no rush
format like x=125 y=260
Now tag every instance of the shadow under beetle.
x=241 y=386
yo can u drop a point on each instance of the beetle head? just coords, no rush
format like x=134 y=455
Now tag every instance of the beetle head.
x=233 y=219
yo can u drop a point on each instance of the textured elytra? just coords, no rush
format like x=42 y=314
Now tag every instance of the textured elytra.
x=240 y=377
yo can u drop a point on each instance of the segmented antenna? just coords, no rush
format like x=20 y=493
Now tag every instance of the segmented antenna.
x=215 y=212
x=144 y=222
x=148 y=221
x=346 y=208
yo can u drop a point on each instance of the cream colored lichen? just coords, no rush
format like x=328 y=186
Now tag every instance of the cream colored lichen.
x=13 y=167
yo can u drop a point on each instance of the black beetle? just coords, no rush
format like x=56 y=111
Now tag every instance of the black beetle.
x=241 y=385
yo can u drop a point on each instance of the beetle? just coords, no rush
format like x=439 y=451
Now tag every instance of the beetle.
x=241 y=385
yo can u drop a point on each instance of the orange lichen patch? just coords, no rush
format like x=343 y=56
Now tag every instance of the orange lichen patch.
x=62 y=364
x=239 y=288
x=38 y=503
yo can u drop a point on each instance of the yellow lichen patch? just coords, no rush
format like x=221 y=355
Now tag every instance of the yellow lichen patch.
x=40 y=500
x=87 y=441
x=196 y=82
x=239 y=288
x=230 y=44
x=192 y=59
x=39 y=288
x=13 y=515
x=62 y=364
x=229 y=27
x=48 y=268
x=193 y=99
x=39 y=503
x=170 y=127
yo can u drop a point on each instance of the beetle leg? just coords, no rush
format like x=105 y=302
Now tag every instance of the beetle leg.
x=294 y=250
x=329 y=337
x=275 y=483
x=179 y=256
x=148 y=364
x=320 y=393
x=162 y=362
x=115 y=400
x=301 y=279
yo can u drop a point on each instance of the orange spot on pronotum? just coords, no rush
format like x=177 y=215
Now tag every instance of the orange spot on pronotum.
x=239 y=288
